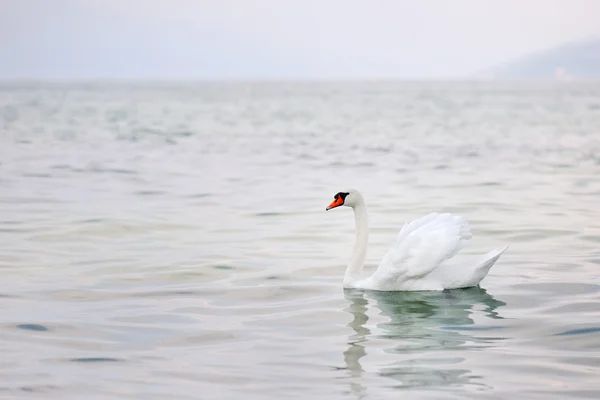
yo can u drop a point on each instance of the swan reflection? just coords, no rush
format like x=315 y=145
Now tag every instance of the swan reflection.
x=424 y=338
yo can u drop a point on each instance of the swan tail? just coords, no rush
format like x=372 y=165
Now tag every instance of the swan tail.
x=483 y=266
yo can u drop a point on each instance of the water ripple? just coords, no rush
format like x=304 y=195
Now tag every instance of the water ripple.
x=166 y=240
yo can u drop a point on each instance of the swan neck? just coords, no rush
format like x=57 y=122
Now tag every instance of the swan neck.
x=355 y=268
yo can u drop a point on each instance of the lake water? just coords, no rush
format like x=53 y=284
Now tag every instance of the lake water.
x=171 y=240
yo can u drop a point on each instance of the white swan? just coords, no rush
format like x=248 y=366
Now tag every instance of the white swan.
x=418 y=260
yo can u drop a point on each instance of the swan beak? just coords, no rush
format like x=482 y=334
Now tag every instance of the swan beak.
x=336 y=203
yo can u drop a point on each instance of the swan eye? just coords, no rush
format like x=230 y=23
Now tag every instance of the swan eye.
x=342 y=195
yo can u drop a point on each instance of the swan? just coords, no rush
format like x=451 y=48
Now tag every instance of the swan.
x=419 y=258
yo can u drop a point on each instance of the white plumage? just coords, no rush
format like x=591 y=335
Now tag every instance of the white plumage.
x=420 y=258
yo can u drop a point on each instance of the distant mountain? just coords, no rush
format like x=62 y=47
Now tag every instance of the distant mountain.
x=571 y=61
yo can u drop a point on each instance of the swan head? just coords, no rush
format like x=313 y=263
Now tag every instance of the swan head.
x=348 y=198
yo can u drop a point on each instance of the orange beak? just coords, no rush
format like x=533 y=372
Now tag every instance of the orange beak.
x=336 y=203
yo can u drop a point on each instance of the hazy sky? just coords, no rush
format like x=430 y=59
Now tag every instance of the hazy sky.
x=61 y=39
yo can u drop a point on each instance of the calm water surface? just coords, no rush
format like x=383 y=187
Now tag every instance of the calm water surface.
x=170 y=241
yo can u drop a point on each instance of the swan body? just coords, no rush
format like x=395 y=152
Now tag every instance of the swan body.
x=421 y=256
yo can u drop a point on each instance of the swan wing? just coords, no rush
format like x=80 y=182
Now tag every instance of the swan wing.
x=421 y=246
